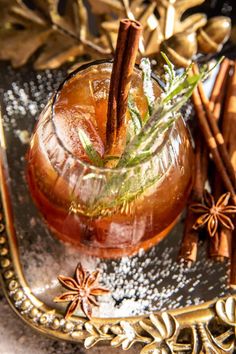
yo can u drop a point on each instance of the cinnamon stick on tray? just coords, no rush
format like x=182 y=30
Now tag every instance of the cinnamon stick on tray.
x=215 y=131
x=123 y=66
x=213 y=144
x=229 y=132
x=218 y=91
x=189 y=244
x=220 y=244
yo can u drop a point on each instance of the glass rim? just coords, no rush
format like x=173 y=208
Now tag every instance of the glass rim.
x=87 y=164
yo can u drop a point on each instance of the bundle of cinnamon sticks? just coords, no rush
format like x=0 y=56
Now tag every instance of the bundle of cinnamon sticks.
x=215 y=160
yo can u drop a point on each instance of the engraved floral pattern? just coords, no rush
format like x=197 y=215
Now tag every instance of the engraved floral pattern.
x=161 y=328
x=226 y=310
x=125 y=335
x=96 y=334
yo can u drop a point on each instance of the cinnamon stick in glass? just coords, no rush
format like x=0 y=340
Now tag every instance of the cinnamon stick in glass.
x=123 y=66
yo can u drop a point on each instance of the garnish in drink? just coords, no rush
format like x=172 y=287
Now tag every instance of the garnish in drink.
x=107 y=199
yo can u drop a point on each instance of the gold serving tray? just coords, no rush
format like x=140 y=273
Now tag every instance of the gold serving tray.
x=208 y=327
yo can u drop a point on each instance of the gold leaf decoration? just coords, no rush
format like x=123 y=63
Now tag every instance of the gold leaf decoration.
x=171 y=12
x=144 y=13
x=61 y=33
x=155 y=28
x=62 y=30
x=164 y=28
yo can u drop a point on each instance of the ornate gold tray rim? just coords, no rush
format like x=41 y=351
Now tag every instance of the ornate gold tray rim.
x=157 y=332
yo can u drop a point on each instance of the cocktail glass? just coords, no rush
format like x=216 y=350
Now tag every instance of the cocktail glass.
x=106 y=212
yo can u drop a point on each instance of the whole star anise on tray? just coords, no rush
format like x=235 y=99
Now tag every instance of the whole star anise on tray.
x=82 y=291
x=214 y=213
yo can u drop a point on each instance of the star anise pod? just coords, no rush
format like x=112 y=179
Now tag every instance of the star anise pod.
x=82 y=291
x=213 y=214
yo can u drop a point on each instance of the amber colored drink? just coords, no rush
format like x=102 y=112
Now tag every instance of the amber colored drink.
x=81 y=203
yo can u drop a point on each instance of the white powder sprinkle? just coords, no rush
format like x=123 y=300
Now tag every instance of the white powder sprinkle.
x=24 y=136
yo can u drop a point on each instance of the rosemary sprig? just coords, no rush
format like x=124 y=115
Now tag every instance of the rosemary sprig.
x=145 y=139
x=177 y=92
x=163 y=117
x=135 y=123
x=145 y=66
x=92 y=154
